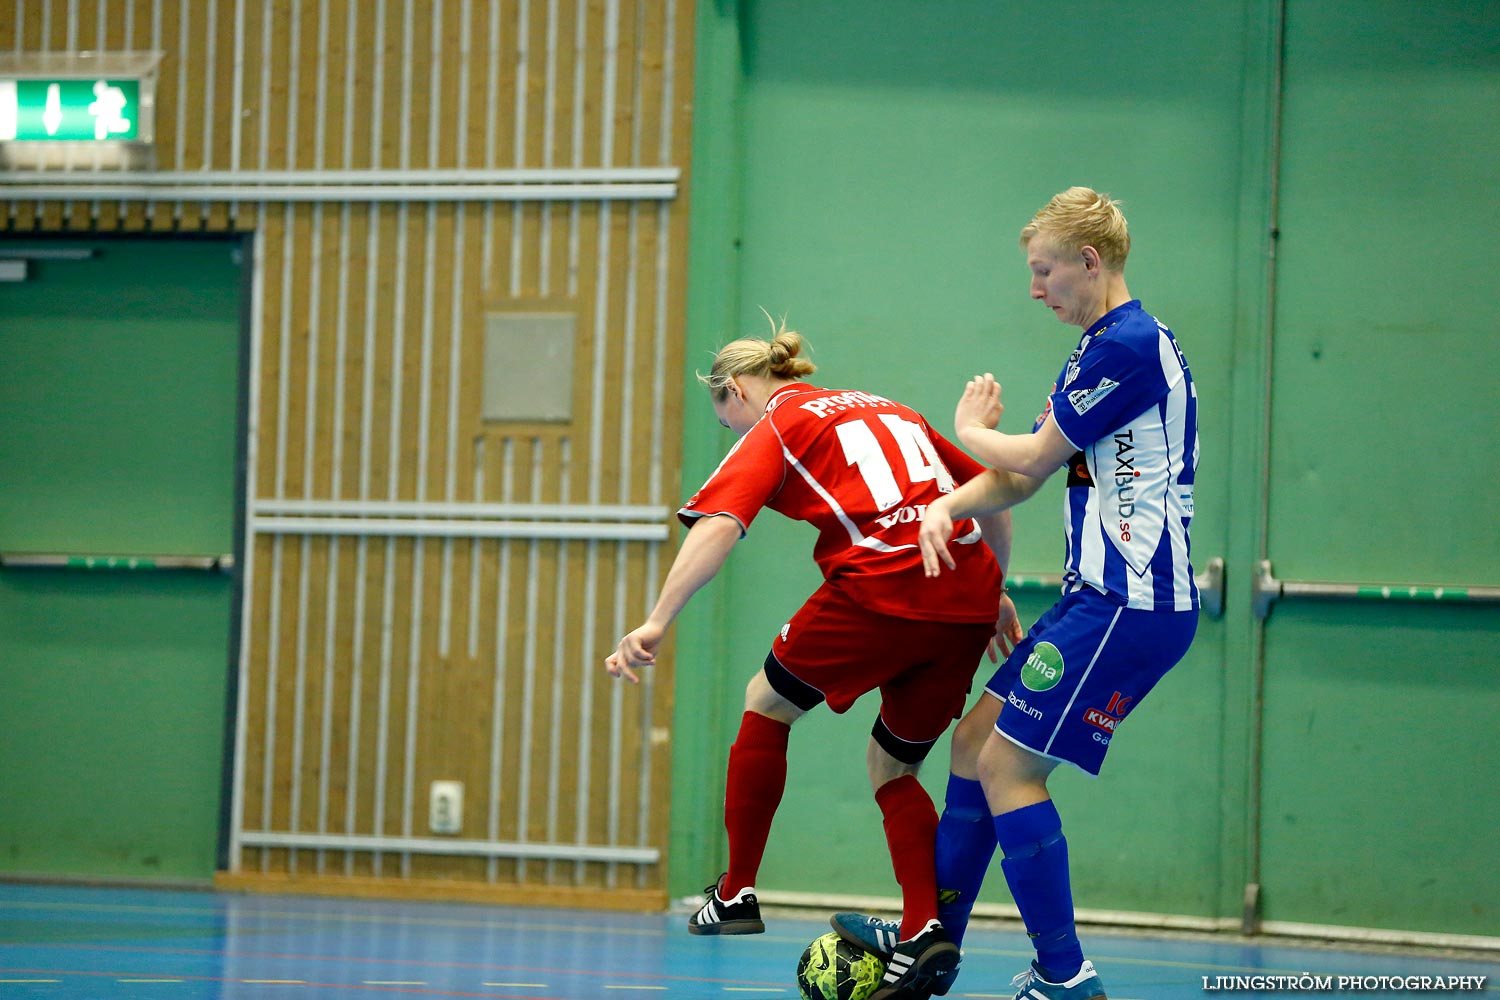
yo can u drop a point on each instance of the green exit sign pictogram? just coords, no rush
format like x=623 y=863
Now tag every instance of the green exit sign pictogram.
x=69 y=110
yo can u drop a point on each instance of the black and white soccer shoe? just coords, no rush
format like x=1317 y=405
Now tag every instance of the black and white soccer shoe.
x=882 y=938
x=920 y=967
x=738 y=915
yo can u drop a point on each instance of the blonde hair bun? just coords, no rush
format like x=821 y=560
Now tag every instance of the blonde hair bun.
x=780 y=358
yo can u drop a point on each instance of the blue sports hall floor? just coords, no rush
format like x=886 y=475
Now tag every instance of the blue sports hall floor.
x=67 y=942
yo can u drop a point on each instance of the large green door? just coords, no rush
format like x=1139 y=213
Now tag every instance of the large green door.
x=1379 y=796
x=119 y=403
x=1326 y=765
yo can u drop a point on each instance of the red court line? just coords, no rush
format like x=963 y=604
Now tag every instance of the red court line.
x=364 y=959
x=324 y=986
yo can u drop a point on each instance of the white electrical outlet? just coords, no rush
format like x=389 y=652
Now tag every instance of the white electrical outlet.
x=447 y=813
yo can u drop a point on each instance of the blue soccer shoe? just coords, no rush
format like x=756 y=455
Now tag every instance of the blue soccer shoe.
x=1083 y=986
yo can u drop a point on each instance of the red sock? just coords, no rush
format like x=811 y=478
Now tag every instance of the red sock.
x=911 y=832
x=757 y=778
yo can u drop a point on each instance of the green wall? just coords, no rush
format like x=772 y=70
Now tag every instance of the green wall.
x=867 y=176
x=1379 y=728
x=119 y=409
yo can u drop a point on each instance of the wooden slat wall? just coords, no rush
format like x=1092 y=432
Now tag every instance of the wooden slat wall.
x=373 y=666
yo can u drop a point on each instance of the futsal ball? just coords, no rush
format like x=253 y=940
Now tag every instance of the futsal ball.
x=833 y=969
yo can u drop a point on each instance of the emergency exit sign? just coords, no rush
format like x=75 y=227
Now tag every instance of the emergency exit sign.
x=69 y=110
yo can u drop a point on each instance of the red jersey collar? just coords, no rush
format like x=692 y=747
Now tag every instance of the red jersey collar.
x=776 y=399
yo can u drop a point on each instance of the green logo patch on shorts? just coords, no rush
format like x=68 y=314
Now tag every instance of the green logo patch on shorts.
x=1043 y=668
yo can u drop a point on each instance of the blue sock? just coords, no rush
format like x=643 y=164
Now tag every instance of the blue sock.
x=1036 y=868
x=965 y=845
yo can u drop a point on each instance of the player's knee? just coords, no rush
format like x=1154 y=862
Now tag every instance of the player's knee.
x=763 y=698
x=883 y=768
x=1010 y=771
x=910 y=753
x=970 y=734
x=756 y=690
x=776 y=692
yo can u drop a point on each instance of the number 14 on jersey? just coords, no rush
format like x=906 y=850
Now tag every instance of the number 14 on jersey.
x=862 y=449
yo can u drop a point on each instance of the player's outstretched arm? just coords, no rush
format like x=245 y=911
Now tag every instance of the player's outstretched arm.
x=1038 y=454
x=702 y=556
x=981 y=495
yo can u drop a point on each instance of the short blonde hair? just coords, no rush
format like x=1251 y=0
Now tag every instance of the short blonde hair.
x=1080 y=217
x=779 y=357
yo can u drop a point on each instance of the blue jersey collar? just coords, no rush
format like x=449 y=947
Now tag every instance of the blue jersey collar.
x=1112 y=317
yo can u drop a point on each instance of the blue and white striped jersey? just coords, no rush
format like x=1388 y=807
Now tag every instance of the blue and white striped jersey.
x=1126 y=400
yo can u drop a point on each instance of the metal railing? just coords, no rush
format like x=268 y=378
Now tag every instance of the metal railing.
x=1210 y=585
x=604 y=522
x=439 y=845
x=551 y=184
x=68 y=560
x=1268 y=590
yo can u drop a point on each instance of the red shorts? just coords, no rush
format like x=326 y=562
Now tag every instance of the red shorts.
x=835 y=650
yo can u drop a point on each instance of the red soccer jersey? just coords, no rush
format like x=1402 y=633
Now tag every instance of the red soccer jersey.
x=861 y=469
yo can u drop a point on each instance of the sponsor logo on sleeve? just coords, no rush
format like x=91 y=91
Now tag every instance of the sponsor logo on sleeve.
x=1073 y=367
x=1041 y=418
x=1084 y=400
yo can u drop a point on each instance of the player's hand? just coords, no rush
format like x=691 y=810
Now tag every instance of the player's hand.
x=636 y=649
x=980 y=404
x=1008 y=631
x=933 y=537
